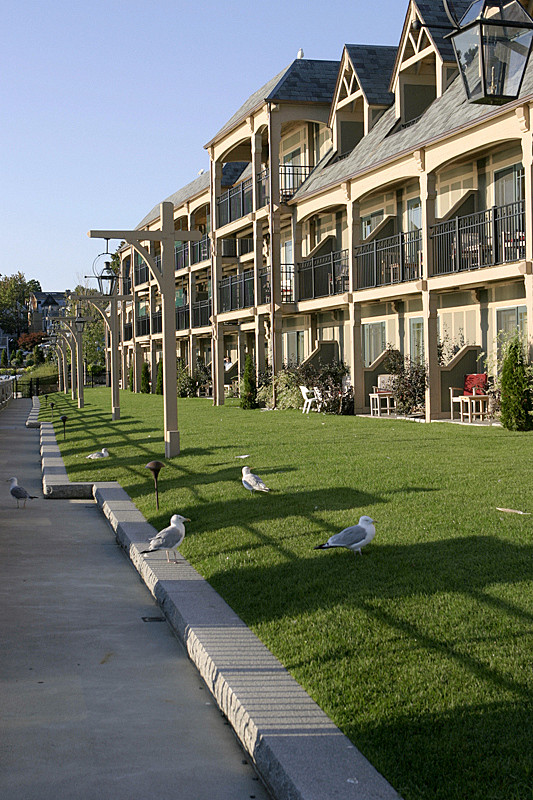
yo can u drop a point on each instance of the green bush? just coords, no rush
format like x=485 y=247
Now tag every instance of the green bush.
x=130 y=379
x=3 y=359
x=186 y=385
x=327 y=379
x=515 y=384
x=409 y=382
x=159 y=381
x=249 y=387
x=145 y=378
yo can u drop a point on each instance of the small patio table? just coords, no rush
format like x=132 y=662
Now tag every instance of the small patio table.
x=474 y=406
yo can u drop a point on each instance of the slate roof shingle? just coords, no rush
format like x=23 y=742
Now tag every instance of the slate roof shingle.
x=373 y=65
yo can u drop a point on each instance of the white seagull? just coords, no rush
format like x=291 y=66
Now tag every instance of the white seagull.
x=103 y=453
x=354 y=538
x=169 y=538
x=19 y=492
x=252 y=482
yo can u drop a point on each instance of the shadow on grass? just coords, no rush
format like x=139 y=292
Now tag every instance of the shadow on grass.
x=476 y=752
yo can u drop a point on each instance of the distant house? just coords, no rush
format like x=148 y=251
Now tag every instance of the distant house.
x=43 y=307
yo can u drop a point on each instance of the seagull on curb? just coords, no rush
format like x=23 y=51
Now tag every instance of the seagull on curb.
x=354 y=538
x=253 y=482
x=103 y=453
x=19 y=492
x=169 y=538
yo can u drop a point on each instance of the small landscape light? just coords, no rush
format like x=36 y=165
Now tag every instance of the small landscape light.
x=155 y=467
x=52 y=410
x=63 y=419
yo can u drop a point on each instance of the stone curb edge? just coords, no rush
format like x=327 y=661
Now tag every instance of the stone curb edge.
x=297 y=750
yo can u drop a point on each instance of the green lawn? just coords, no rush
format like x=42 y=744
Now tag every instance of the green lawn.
x=421 y=649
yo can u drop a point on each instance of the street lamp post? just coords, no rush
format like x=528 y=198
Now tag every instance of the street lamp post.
x=75 y=325
x=165 y=278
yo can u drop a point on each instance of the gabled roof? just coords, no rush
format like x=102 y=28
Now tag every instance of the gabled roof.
x=230 y=174
x=303 y=81
x=446 y=114
x=435 y=17
x=373 y=66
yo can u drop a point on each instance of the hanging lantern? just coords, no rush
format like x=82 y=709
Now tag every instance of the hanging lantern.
x=492 y=45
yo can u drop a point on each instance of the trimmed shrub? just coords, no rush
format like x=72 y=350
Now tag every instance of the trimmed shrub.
x=130 y=379
x=516 y=398
x=249 y=388
x=3 y=359
x=159 y=380
x=145 y=378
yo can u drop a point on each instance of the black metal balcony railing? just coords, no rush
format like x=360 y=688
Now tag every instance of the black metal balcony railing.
x=182 y=318
x=235 y=203
x=236 y=291
x=291 y=178
x=323 y=275
x=395 y=259
x=201 y=311
x=157 y=322
x=494 y=236
x=287 y=284
x=141 y=274
x=232 y=248
x=128 y=331
x=200 y=251
x=181 y=256
x=142 y=326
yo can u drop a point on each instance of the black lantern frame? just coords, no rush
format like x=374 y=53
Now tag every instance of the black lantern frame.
x=492 y=45
x=107 y=280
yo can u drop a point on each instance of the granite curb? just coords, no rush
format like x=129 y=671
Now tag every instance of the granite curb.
x=297 y=750
x=33 y=417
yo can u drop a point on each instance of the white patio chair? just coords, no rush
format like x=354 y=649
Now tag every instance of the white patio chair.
x=309 y=399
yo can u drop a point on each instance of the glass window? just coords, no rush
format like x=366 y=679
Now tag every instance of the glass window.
x=511 y=320
x=416 y=339
x=414 y=214
x=373 y=341
x=509 y=185
x=293 y=347
x=370 y=223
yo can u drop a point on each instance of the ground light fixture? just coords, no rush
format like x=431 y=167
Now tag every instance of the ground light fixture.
x=492 y=43
x=52 y=410
x=155 y=467
x=63 y=419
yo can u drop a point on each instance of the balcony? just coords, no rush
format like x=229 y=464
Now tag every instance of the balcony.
x=128 y=331
x=201 y=311
x=395 y=259
x=236 y=292
x=141 y=274
x=181 y=255
x=157 y=322
x=494 y=236
x=200 y=251
x=287 y=284
x=234 y=248
x=235 y=203
x=323 y=276
x=182 y=318
x=291 y=178
x=142 y=326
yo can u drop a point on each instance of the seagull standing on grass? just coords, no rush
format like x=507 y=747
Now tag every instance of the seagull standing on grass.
x=252 y=482
x=354 y=538
x=169 y=538
x=19 y=492
x=103 y=453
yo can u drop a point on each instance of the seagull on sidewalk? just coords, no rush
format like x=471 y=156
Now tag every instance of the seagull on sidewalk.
x=354 y=538
x=103 y=453
x=19 y=492
x=169 y=538
x=253 y=482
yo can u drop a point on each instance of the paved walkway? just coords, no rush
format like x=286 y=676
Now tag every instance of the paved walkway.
x=98 y=700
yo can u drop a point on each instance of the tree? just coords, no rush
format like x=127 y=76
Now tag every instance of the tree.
x=159 y=381
x=249 y=388
x=38 y=355
x=14 y=292
x=130 y=378
x=28 y=340
x=145 y=378
x=516 y=396
x=3 y=359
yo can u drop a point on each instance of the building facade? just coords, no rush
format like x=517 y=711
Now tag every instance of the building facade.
x=352 y=205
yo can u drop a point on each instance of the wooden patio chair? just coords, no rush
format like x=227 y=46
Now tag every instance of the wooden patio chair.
x=474 y=383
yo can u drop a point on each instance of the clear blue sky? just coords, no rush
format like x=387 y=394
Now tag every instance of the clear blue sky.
x=106 y=106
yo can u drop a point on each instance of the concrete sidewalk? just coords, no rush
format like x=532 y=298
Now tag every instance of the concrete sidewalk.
x=98 y=697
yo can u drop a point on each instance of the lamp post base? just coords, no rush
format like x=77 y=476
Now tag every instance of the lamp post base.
x=115 y=413
x=172 y=444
